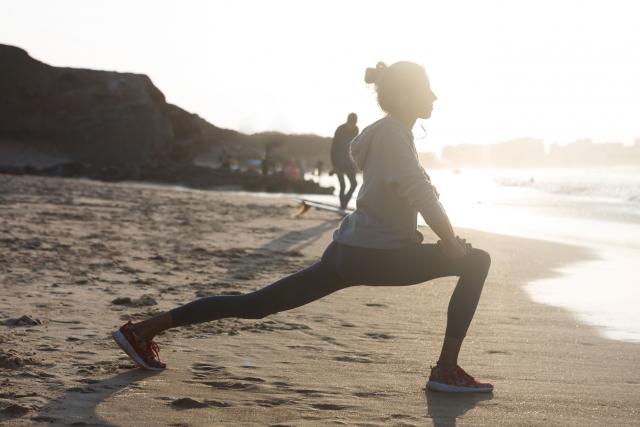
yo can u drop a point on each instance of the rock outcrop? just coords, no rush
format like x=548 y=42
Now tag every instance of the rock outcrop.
x=100 y=117
x=109 y=126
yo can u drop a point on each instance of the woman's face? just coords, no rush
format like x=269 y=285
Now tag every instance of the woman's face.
x=423 y=99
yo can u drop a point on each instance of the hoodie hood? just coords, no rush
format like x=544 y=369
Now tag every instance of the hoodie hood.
x=360 y=144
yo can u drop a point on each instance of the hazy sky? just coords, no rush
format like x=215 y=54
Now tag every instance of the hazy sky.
x=557 y=70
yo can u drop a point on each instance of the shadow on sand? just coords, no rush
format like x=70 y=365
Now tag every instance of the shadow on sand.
x=445 y=408
x=77 y=407
x=300 y=239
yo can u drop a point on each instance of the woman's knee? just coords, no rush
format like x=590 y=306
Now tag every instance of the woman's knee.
x=481 y=259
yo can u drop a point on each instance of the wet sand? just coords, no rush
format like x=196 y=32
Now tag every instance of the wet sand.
x=70 y=248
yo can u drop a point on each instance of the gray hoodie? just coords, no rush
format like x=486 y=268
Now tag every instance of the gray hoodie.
x=394 y=190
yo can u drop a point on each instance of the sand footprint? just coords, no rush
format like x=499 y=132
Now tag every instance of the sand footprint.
x=375 y=335
x=353 y=359
x=229 y=385
x=189 y=403
x=273 y=402
x=329 y=406
x=206 y=367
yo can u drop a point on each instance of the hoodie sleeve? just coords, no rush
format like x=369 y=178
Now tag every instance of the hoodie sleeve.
x=403 y=171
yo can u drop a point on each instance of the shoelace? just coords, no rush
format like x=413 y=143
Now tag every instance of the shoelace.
x=154 y=348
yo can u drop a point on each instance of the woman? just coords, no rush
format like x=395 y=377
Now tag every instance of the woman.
x=377 y=245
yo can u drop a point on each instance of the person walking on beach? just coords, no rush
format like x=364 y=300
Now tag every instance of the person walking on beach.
x=266 y=162
x=377 y=245
x=341 y=159
x=224 y=160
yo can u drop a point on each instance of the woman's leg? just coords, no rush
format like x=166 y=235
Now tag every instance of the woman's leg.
x=300 y=288
x=417 y=263
x=472 y=270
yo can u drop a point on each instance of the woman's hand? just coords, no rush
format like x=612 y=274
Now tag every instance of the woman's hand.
x=455 y=249
x=452 y=246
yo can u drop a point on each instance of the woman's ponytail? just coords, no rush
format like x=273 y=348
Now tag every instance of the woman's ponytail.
x=374 y=75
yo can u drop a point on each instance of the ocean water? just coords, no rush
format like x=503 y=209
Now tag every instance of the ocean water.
x=598 y=209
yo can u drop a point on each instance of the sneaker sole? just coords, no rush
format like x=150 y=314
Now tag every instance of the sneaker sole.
x=431 y=385
x=122 y=342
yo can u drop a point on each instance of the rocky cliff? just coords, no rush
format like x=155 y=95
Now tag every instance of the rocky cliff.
x=110 y=118
x=110 y=126
x=100 y=117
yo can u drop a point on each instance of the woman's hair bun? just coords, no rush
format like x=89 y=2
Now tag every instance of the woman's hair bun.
x=373 y=75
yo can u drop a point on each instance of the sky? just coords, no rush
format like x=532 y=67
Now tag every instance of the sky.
x=502 y=69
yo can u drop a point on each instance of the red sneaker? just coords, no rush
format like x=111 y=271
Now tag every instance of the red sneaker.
x=457 y=381
x=143 y=352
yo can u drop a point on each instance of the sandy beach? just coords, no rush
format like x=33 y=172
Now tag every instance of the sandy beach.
x=78 y=258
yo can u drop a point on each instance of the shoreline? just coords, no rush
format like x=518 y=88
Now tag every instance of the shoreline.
x=361 y=355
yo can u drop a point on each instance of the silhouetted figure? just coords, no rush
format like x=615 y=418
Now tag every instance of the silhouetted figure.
x=302 y=166
x=291 y=172
x=266 y=160
x=319 y=167
x=378 y=244
x=341 y=158
x=224 y=160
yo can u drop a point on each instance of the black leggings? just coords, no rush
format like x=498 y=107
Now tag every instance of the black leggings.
x=344 y=266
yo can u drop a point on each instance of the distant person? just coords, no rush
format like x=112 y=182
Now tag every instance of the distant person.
x=224 y=160
x=341 y=159
x=319 y=167
x=290 y=170
x=302 y=165
x=377 y=245
x=266 y=161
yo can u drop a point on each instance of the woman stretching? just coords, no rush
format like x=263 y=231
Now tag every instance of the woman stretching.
x=377 y=245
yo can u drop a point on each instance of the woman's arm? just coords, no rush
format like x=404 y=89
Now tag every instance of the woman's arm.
x=403 y=170
x=452 y=246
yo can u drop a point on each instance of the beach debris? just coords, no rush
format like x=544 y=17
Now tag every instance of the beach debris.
x=121 y=301
x=48 y=347
x=11 y=359
x=6 y=338
x=24 y=320
x=143 y=301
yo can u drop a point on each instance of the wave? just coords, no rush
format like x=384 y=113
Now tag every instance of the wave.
x=621 y=187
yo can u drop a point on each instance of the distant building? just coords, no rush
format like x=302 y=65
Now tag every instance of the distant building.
x=529 y=152
x=584 y=152
x=521 y=152
x=429 y=160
